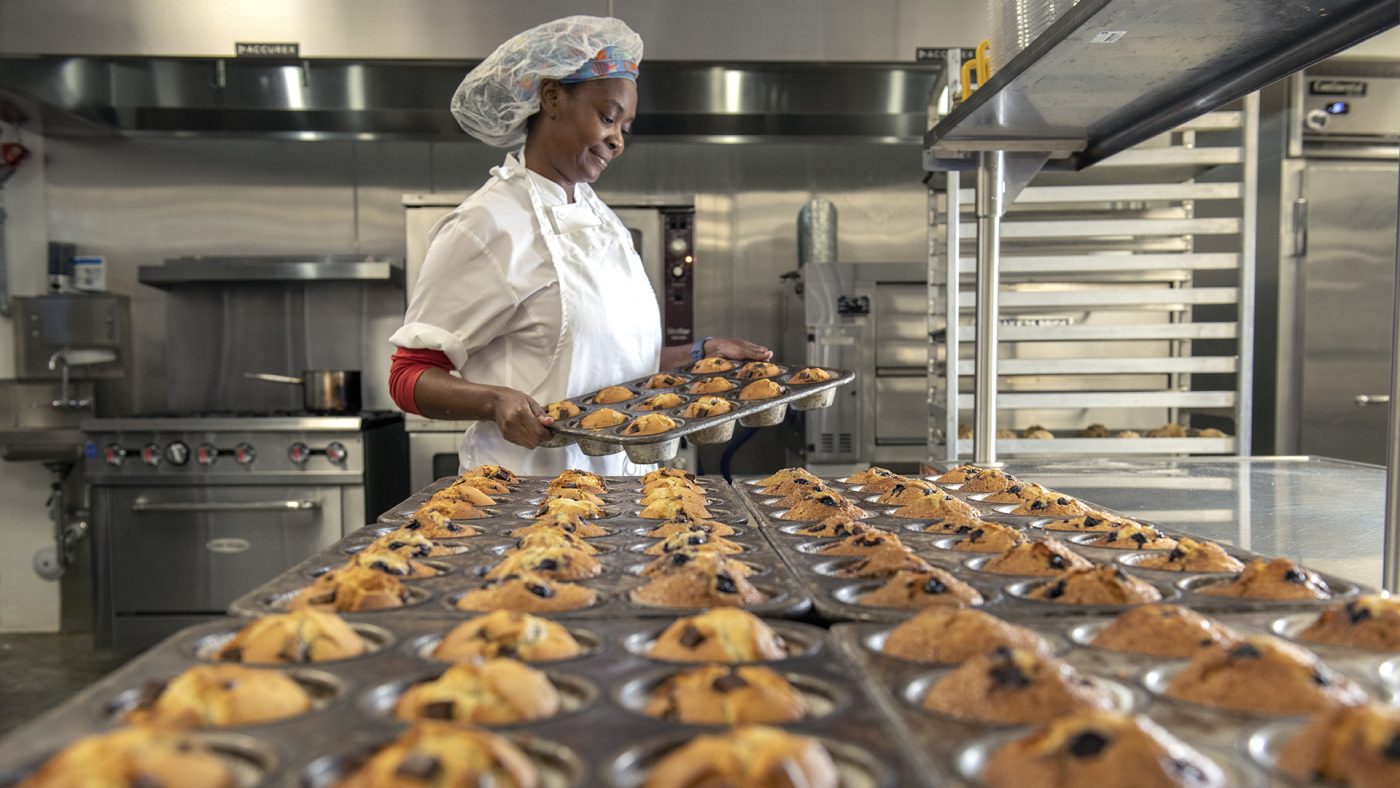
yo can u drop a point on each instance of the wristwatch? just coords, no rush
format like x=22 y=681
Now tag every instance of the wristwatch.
x=697 y=350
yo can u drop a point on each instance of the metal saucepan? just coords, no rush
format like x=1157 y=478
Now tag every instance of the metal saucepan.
x=322 y=390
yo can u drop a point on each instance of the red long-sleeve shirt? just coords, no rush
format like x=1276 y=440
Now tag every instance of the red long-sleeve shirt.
x=408 y=366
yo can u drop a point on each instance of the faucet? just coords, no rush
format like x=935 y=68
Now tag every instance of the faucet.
x=65 y=358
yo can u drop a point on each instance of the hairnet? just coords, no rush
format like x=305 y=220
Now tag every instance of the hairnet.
x=495 y=99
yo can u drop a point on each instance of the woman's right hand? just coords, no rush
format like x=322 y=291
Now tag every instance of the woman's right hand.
x=520 y=419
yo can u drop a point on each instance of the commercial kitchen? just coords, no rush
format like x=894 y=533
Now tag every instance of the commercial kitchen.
x=1077 y=443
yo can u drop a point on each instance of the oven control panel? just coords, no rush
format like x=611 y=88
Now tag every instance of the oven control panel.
x=678 y=266
x=223 y=454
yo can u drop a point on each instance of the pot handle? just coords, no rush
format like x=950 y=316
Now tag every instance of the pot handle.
x=271 y=378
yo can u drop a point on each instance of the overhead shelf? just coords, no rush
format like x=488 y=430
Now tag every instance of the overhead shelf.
x=298 y=268
x=1110 y=74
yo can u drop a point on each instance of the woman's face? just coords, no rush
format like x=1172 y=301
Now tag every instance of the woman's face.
x=583 y=126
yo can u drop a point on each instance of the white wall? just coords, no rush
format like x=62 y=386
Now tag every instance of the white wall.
x=27 y=603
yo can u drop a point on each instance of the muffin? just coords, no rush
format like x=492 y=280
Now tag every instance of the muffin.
x=484 y=484
x=961 y=474
x=821 y=506
x=602 y=419
x=135 y=756
x=753 y=756
x=990 y=538
x=669 y=482
x=500 y=473
x=1051 y=504
x=462 y=493
x=527 y=593
x=1097 y=585
x=352 y=588
x=882 y=484
x=711 y=364
x=664 y=564
x=1132 y=537
x=1262 y=675
x=1092 y=521
x=1104 y=749
x=705 y=407
x=883 y=562
x=837 y=525
x=557 y=506
x=411 y=543
x=556 y=563
x=1014 y=686
x=572 y=494
x=1356 y=746
x=699 y=539
x=754 y=370
x=434 y=524
x=507 y=633
x=1162 y=630
x=935 y=504
x=585 y=480
x=987 y=480
x=1095 y=430
x=297 y=637
x=390 y=563
x=437 y=753
x=447 y=510
x=611 y=396
x=650 y=424
x=709 y=386
x=667 y=473
x=871 y=474
x=954 y=525
x=1019 y=491
x=220 y=696
x=798 y=496
x=692 y=494
x=663 y=380
x=786 y=481
x=1191 y=555
x=553 y=538
x=567 y=523
x=1369 y=621
x=482 y=692
x=809 y=375
x=674 y=527
x=676 y=509
x=760 y=389
x=727 y=695
x=864 y=544
x=906 y=492
x=1031 y=559
x=917 y=590
x=1276 y=579
x=720 y=635
x=564 y=409
x=702 y=580
x=950 y=635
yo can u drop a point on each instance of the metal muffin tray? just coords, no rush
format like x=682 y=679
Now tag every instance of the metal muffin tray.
x=1240 y=744
x=600 y=738
x=621 y=555
x=835 y=598
x=701 y=431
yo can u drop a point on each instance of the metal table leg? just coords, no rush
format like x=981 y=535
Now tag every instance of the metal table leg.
x=990 y=166
x=1390 y=565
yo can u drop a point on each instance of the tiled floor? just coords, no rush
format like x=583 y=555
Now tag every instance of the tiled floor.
x=38 y=672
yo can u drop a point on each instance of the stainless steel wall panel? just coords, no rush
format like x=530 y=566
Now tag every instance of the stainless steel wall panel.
x=901 y=326
x=901 y=410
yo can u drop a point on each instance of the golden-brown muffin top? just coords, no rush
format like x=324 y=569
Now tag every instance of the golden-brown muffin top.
x=563 y=409
x=663 y=380
x=650 y=424
x=757 y=369
x=809 y=375
x=711 y=364
x=704 y=407
x=612 y=394
x=710 y=385
x=602 y=419
x=663 y=401
x=760 y=389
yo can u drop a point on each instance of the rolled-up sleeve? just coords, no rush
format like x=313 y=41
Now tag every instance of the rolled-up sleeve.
x=462 y=299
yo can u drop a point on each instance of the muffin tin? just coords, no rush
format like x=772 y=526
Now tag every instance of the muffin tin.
x=1240 y=744
x=836 y=598
x=620 y=556
x=702 y=431
x=601 y=740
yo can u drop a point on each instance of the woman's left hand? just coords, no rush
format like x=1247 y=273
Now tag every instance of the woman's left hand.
x=737 y=349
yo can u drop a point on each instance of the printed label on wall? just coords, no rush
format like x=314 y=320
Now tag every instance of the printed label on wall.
x=289 y=49
x=227 y=545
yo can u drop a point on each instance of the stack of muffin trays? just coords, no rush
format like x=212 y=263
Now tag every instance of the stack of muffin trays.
x=620 y=553
x=835 y=597
x=713 y=429
x=601 y=737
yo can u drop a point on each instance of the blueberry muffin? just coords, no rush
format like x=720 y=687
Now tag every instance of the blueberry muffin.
x=556 y=506
x=711 y=385
x=1263 y=675
x=437 y=753
x=951 y=635
x=497 y=472
x=822 y=505
x=727 y=695
x=909 y=590
x=602 y=419
x=700 y=539
x=482 y=692
x=1191 y=555
x=566 y=523
x=711 y=364
x=411 y=543
x=553 y=539
x=864 y=544
x=962 y=474
x=556 y=563
x=760 y=389
x=1090 y=521
x=673 y=527
x=1104 y=749
x=935 y=504
x=611 y=396
x=507 y=633
x=809 y=375
x=666 y=563
x=784 y=481
x=1162 y=630
x=753 y=756
x=1132 y=537
x=755 y=370
x=1097 y=585
x=960 y=525
x=650 y=424
x=884 y=562
x=1015 y=686
x=135 y=756
x=702 y=580
x=906 y=492
x=675 y=509
x=298 y=637
x=1276 y=579
x=434 y=513
x=989 y=538
x=1051 y=504
x=572 y=494
x=872 y=474
x=798 y=496
x=432 y=523
x=1019 y=491
x=657 y=475
x=676 y=493
x=462 y=493
x=527 y=593
x=352 y=588
x=483 y=483
x=837 y=525
x=721 y=635
x=1357 y=746
x=1369 y=621
x=987 y=480
x=663 y=380
x=705 y=407
x=587 y=480
x=1034 y=559
x=220 y=696
x=564 y=409
x=381 y=559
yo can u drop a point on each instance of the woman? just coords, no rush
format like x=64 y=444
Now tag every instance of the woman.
x=530 y=289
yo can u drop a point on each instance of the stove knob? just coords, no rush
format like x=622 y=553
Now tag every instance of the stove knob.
x=336 y=452
x=244 y=454
x=177 y=453
x=298 y=453
x=206 y=454
x=150 y=454
x=113 y=454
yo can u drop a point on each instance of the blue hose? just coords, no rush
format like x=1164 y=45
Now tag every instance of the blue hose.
x=734 y=446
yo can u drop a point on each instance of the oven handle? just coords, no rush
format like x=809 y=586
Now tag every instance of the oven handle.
x=234 y=506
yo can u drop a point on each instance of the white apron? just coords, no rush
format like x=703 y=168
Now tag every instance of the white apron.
x=610 y=329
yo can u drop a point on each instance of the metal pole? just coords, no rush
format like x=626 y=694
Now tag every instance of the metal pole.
x=989 y=208
x=1390 y=566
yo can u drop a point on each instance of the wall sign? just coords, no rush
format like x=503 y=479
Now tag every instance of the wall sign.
x=267 y=49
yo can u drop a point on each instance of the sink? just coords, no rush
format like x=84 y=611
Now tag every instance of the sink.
x=32 y=429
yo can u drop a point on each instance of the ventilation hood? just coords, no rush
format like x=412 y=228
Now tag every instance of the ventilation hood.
x=314 y=99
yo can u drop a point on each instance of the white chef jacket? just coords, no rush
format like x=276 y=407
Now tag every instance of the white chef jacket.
x=521 y=288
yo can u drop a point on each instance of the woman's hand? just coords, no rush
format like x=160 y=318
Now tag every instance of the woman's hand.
x=520 y=419
x=738 y=349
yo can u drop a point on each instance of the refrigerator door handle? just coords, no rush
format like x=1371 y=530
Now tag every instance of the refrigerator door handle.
x=1372 y=399
x=1300 y=227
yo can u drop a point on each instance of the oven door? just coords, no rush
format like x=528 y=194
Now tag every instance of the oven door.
x=179 y=550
